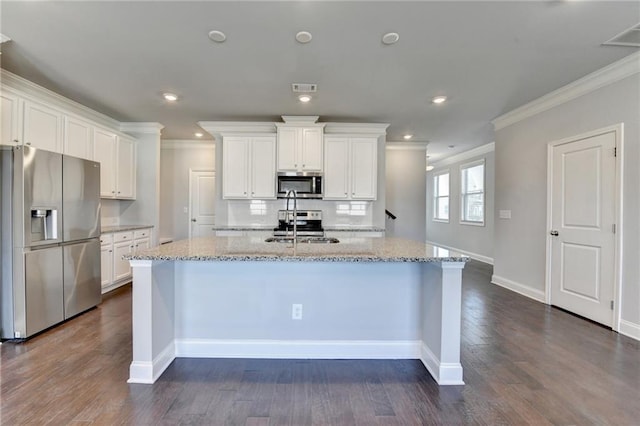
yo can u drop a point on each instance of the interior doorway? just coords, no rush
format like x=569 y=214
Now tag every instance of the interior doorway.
x=202 y=208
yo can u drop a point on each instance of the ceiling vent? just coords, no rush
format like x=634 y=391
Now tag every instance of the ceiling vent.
x=630 y=37
x=304 y=87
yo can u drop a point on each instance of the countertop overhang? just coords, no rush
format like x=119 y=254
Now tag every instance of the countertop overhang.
x=254 y=248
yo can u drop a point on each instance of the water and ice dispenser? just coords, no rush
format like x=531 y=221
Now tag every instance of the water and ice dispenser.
x=44 y=224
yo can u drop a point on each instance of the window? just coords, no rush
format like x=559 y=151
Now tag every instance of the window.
x=441 y=197
x=472 y=193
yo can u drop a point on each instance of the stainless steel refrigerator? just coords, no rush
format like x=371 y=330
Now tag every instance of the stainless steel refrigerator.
x=49 y=233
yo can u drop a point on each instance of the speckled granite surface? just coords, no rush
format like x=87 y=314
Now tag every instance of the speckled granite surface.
x=254 y=248
x=242 y=228
x=347 y=229
x=121 y=228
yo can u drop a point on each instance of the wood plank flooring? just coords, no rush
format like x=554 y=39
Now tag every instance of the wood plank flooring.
x=524 y=363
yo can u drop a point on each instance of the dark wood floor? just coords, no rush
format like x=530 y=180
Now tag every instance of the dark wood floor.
x=524 y=363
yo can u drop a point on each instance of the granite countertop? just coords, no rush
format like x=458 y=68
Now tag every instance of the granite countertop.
x=352 y=229
x=122 y=228
x=254 y=248
x=243 y=228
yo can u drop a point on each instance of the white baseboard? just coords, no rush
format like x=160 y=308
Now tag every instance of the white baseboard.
x=443 y=373
x=149 y=372
x=474 y=256
x=519 y=288
x=629 y=329
x=306 y=349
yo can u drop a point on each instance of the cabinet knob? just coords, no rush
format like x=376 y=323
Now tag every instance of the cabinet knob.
x=193 y=220
x=28 y=143
x=110 y=251
x=16 y=141
x=113 y=192
x=245 y=193
x=118 y=192
x=295 y=165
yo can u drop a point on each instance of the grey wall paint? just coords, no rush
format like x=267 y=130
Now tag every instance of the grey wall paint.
x=474 y=240
x=521 y=184
x=406 y=193
x=174 y=183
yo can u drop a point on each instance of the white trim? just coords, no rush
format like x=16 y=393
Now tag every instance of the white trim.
x=443 y=373
x=519 y=288
x=475 y=152
x=300 y=119
x=186 y=143
x=407 y=146
x=308 y=349
x=142 y=127
x=368 y=129
x=4 y=38
x=474 y=256
x=149 y=372
x=618 y=130
x=629 y=329
x=482 y=161
x=223 y=128
x=625 y=67
x=191 y=175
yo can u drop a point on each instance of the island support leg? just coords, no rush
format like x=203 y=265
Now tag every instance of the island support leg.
x=153 y=314
x=441 y=320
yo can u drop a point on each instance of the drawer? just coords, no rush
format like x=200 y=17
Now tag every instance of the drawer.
x=106 y=239
x=141 y=233
x=122 y=236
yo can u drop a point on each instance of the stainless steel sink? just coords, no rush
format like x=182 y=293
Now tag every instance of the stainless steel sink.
x=303 y=240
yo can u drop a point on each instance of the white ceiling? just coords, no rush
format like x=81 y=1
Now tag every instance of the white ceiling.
x=488 y=57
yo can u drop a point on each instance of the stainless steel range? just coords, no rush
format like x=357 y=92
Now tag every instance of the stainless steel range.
x=309 y=223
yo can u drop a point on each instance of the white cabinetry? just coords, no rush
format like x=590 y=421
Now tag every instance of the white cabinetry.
x=115 y=270
x=9 y=126
x=106 y=259
x=42 y=126
x=78 y=138
x=299 y=148
x=248 y=169
x=351 y=168
x=122 y=245
x=117 y=164
x=141 y=239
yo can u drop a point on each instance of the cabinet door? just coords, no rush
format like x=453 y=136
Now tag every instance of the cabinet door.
x=287 y=149
x=263 y=167
x=235 y=167
x=121 y=267
x=42 y=127
x=9 y=120
x=125 y=167
x=336 y=165
x=104 y=151
x=364 y=170
x=106 y=264
x=77 y=138
x=312 y=150
x=141 y=244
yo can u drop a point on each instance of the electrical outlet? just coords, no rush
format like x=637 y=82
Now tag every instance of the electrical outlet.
x=296 y=311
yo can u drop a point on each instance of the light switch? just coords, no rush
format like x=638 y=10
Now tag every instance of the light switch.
x=504 y=214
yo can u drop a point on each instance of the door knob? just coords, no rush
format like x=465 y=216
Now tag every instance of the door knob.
x=554 y=233
x=193 y=220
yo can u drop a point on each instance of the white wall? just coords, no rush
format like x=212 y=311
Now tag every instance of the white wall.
x=406 y=192
x=176 y=158
x=476 y=241
x=521 y=185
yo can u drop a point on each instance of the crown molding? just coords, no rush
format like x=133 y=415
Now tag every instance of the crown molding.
x=299 y=119
x=4 y=38
x=475 y=152
x=378 y=129
x=33 y=92
x=407 y=146
x=227 y=128
x=186 y=143
x=625 y=67
x=142 y=127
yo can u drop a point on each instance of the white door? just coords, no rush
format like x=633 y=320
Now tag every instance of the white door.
x=42 y=127
x=364 y=168
x=263 y=167
x=9 y=119
x=77 y=138
x=582 y=269
x=312 y=149
x=235 y=167
x=336 y=168
x=126 y=180
x=202 y=196
x=104 y=152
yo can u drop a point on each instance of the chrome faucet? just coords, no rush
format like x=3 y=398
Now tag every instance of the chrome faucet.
x=295 y=213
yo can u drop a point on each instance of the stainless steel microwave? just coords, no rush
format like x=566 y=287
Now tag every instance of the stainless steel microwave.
x=306 y=184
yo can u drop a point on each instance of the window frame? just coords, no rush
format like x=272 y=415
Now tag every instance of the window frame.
x=435 y=197
x=463 y=167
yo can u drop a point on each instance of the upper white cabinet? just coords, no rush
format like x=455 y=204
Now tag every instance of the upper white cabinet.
x=248 y=167
x=117 y=164
x=42 y=126
x=78 y=138
x=9 y=126
x=299 y=148
x=351 y=168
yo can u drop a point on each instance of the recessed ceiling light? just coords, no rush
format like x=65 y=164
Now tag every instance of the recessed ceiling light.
x=304 y=37
x=217 y=36
x=390 y=38
x=451 y=146
x=304 y=98
x=198 y=135
x=170 y=97
x=439 y=99
x=407 y=137
x=429 y=168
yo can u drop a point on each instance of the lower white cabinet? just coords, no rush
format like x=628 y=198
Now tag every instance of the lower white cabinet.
x=116 y=271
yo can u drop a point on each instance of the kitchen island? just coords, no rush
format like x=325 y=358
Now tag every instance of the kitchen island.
x=362 y=298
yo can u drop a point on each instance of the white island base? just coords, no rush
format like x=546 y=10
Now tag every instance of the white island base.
x=243 y=309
